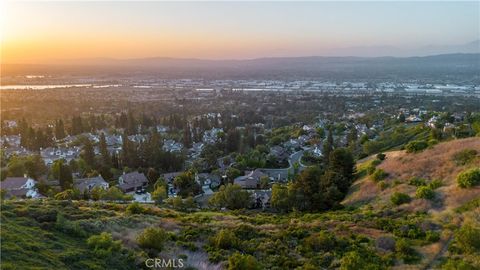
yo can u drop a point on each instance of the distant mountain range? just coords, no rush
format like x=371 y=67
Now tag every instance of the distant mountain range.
x=376 y=51
x=458 y=64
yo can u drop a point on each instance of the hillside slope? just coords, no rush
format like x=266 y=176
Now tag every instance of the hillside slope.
x=436 y=163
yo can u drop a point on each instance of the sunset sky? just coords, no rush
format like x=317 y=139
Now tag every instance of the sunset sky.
x=43 y=31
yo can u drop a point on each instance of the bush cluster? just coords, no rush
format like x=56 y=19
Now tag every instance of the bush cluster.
x=425 y=192
x=400 y=198
x=416 y=146
x=152 y=238
x=469 y=178
x=379 y=175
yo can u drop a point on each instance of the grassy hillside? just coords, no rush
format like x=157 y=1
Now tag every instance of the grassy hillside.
x=436 y=163
x=449 y=206
x=370 y=233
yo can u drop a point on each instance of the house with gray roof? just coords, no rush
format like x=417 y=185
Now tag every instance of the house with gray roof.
x=20 y=187
x=87 y=184
x=131 y=182
x=251 y=179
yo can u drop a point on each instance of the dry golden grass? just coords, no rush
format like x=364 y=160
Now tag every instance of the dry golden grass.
x=434 y=163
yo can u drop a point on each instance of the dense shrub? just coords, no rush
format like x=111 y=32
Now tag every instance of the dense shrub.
x=425 y=192
x=69 y=227
x=468 y=206
x=371 y=169
x=435 y=184
x=69 y=194
x=231 y=197
x=385 y=243
x=469 y=178
x=103 y=244
x=376 y=162
x=135 y=208
x=152 y=238
x=432 y=236
x=382 y=185
x=322 y=241
x=400 y=198
x=379 y=175
x=417 y=181
x=242 y=261
x=465 y=156
x=416 y=146
x=381 y=156
x=364 y=259
x=225 y=239
x=458 y=264
x=468 y=238
x=406 y=252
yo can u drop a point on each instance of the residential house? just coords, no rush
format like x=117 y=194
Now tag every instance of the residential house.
x=131 y=182
x=211 y=136
x=413 y=118
x=261 y=198
x=317 y=151
x=169 y=177
x=10 y=140
x=87 y=184
x=51 y=154
x=251 y=179
x=162 y=129
x=432 y=122
x=114 y=140
x=172 y=146
x=20 y=187
x=196 y=150
x=138 y=138
x=279 y=153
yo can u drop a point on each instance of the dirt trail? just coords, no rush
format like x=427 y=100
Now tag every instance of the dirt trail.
x=436 y=258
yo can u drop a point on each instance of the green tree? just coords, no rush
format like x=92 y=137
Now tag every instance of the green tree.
x=306 y=190
x=59 y=130
x=105 y=155
x=233 y=140
x=186 y=185
x=231 y=197
x=187 y=137
x=65 y=178
x=16 y=166
x=88 y=154
x=280 y=199
x=328 y=145
x=341 y=162
x=35 y=166
x=62 y=172
x=152 y=175
x=159 y=194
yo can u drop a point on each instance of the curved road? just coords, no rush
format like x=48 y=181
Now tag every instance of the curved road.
x=282 y=174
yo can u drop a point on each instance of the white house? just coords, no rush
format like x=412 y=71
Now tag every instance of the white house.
x=21 y=187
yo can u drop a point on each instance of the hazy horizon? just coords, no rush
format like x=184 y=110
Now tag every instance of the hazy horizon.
x=39 y=32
